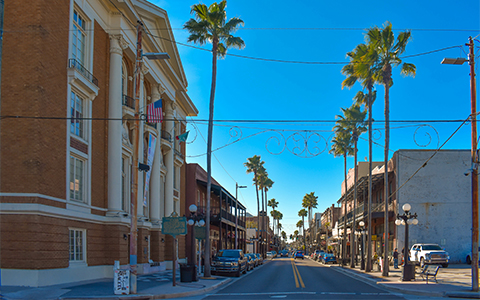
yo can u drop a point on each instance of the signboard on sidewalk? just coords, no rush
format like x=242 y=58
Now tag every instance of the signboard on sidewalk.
x=174 y=226
x=121 y=282
x=200 y=232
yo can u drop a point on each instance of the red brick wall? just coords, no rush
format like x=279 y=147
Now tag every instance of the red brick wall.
x=32 y=151
x=99 y=141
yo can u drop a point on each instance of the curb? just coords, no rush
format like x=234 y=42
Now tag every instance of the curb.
x=151 y=296
x=192 y=293
x=374 y=281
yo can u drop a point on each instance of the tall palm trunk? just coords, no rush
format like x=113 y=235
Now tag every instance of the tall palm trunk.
x=344 y=241
x=368 y=267
x=209 y=158
x=387 y=75
x=304 y=235
x=258 y=208
x=352 y=243
x=266 y=226
x=263 y=227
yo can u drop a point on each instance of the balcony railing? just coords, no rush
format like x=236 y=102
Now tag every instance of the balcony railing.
x=166 y=136
x=153 y=125
x=216 y=213
x=73 y=63
x=128 y=101
x=178 y=153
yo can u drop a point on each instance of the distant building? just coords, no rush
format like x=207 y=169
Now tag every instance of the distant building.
x=440 y=194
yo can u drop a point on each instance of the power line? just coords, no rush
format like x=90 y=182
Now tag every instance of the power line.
x=226 y=120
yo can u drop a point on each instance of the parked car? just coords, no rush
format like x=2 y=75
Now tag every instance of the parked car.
x=274 y=253
x=284 y=253
x=469 y=257
x=251 y=263
x=299 y=254
x=259 y=258
x=255 y=259
x=229 y=261
x=317 y=254
x=328 y=257
x=423 y=254
x=270 y=254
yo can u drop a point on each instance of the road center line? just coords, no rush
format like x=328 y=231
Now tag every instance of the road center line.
x=295 y=269
x=295 y=275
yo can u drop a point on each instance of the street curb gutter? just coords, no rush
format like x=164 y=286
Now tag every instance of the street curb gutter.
x=150 y=296
x=373 y=281
x=193 y=293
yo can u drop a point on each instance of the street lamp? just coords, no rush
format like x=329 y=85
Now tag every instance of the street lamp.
x=195 y=219
x=236 y=211
x=362 y=230
x=135 y=166
x=407 y=219
x=473 y=117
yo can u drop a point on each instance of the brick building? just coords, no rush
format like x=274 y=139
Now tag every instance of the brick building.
x=66 y=153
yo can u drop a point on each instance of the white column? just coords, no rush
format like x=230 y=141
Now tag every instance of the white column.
x=157 y=163
x=115 y=126
x=169 y=160
x=141 y=159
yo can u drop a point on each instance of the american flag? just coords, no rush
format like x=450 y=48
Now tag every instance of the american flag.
x=154 y=112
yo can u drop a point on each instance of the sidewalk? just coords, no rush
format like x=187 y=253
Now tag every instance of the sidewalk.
x=153 y=286
x=454 y=281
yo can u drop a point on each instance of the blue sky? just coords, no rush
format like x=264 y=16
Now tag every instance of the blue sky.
x=321 y=31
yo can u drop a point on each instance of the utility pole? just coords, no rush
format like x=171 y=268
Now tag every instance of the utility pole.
x=473 y=92
x=136 y=133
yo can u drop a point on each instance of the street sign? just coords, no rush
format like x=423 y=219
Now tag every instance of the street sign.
x=174 y=226
x=374 y=237
x=200 y=232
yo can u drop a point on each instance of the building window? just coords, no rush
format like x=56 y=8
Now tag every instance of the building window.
x=79 y=37
x=77 y=179
x=77 y=245
x=77 y=114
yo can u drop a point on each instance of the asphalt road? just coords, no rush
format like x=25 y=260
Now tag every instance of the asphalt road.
x=285 y=278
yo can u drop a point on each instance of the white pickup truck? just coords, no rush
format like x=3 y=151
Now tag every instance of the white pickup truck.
x=429 y=254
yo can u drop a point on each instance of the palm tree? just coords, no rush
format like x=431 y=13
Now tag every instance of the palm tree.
x=361 y=68
x=284 y=235
x=342 y=145
x=262 y=175
x=353 y=121
x=273 y=204
x=253 y=165
x=387 y=52
x=279 y=217
x=210 y=25
x=267 y=184
x=309 y=202
x=303 y=213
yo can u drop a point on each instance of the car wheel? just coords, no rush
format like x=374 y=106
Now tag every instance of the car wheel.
x=238 y=273
x=422 y=262
x=445 y=265
x=469 y=260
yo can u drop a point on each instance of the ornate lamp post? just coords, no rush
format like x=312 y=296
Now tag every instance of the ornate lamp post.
x=195 y=219
x=362 y=231
x=407 y=219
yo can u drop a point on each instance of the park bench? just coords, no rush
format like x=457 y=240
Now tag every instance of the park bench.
x=430 y=270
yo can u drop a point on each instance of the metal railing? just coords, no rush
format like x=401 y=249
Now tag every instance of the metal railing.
x=128 y=101
x=73 y=63
x=178 y=153
x=166 y=136
x=153 y=125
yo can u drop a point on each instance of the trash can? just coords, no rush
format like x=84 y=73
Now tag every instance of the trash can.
x=188 y=273
x=408 y=272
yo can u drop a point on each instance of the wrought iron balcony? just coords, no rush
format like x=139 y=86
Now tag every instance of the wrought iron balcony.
x=153 y=125
x=166 y=136
x=128 y=101
x=73 y=63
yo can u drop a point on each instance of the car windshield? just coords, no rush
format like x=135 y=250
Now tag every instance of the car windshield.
x=329 y=255
x=226 y=253
x=432 y=247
